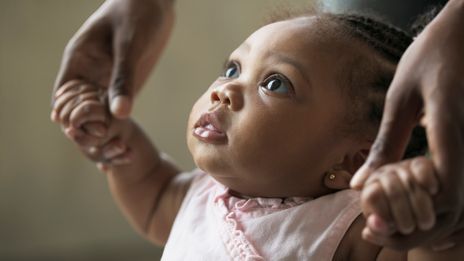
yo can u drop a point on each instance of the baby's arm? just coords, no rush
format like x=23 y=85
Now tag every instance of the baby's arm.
x=144 y=183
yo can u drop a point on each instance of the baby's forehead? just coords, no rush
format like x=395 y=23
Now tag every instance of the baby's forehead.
x=312 y=40
x=303 y=35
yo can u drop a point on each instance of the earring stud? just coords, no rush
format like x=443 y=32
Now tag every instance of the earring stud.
x=332 y=176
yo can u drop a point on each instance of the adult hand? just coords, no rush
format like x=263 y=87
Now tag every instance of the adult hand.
x=429 y=81
x=116 y=48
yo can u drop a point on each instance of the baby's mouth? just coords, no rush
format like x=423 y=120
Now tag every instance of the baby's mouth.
x=209 y=130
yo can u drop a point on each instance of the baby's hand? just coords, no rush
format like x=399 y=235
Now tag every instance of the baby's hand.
x=84 y=116
x=80 y=110
x=398 y=198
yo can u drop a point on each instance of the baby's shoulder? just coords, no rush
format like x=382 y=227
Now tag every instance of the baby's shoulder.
x=353 y=247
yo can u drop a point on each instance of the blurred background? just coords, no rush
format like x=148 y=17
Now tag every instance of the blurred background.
x=55 y=205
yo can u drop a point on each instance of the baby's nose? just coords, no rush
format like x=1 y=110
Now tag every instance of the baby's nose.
x=229 y=95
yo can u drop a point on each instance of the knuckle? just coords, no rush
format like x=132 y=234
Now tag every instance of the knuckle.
x=373 y=194
x=421 y=160
x=87 y=107
x=393 y=191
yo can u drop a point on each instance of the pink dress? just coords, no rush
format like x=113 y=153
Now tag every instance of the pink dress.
x=214 y=225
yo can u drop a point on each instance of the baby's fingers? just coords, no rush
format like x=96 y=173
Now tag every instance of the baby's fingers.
x=424 y=173
x=419 y=180
x=81 y=138
x=68 y=91
x=114 y=153
x=374 y=203
x=86 y=112
x=66 y=104
x=96 y=129
x=422 y=206
x=113 y=149
x=399 y=202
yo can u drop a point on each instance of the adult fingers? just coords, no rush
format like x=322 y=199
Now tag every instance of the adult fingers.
x=445 y=134
x=401 y=111
x=64 y=74
x=121 y=84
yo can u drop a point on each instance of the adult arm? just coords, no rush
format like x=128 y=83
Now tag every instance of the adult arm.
x=429 y=80
x=117 y=47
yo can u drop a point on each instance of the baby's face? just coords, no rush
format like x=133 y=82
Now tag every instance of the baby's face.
x=268 y=126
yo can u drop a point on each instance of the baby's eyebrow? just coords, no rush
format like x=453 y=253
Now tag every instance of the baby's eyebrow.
x=289 y=60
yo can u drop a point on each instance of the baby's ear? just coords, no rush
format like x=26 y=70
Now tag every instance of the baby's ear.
x=358 y=159
x=340 y=175
x=337 y=179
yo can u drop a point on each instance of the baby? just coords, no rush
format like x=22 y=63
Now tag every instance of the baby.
x=276 y=138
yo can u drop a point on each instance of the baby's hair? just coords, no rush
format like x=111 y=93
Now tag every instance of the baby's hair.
x=367 y=86
x=389 y=43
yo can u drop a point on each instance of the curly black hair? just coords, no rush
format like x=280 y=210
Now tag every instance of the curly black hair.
x=368 y=77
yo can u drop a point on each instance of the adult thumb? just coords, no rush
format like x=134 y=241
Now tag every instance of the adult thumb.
x=399 y=118
x=120 y=92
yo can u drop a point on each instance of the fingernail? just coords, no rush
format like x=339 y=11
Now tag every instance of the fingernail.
x=377 y=224
x=407 y=230
x=358 y=178
x=93 y=150
x=428 y=224
x=102 y=167
x=59 y=92
x=97 y=132
x=120 y=106
x=53 y=116
x=120 y=161
x=70 y=132
x=367 y=234
x=113 y=151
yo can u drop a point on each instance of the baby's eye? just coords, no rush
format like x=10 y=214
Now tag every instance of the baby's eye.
x=277 y=83
x=232 y=70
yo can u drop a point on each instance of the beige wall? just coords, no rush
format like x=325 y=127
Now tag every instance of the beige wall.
x=54 y=205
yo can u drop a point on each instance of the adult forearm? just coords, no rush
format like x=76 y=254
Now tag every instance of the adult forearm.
x=450 y=18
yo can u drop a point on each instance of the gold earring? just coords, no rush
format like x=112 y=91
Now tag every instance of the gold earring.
x=332 y=176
